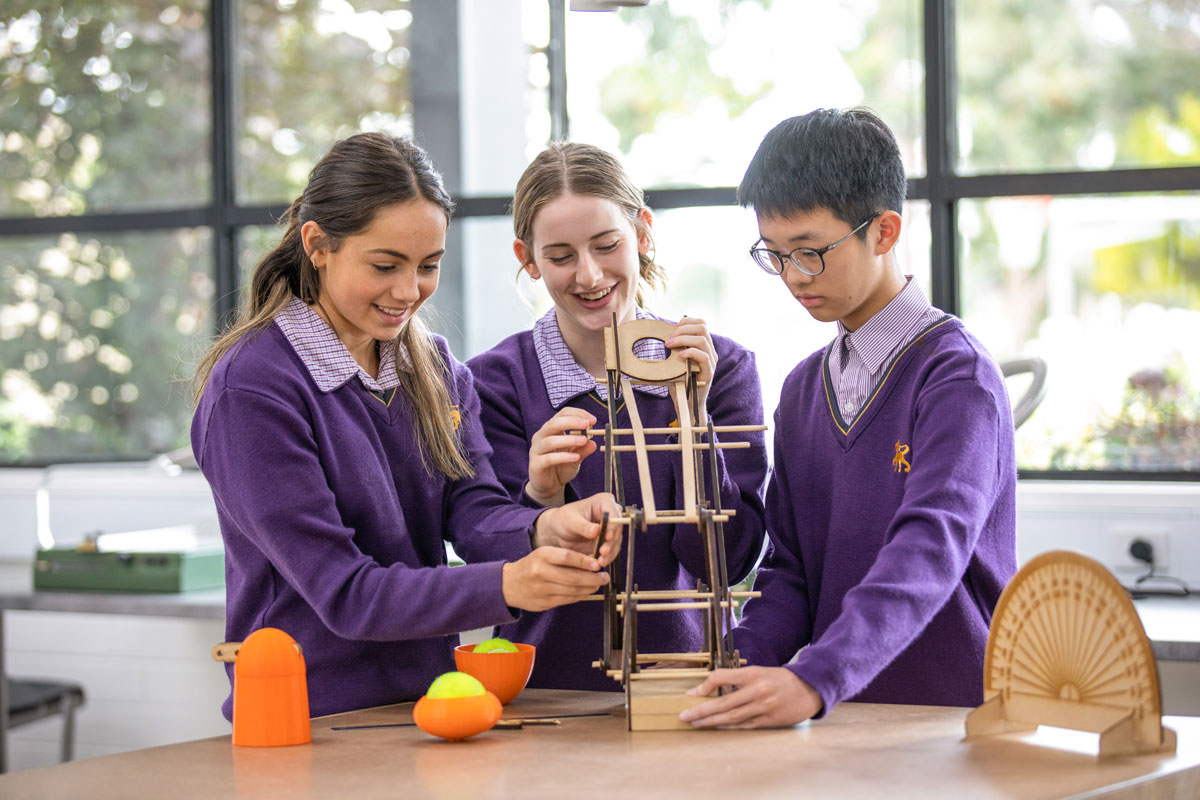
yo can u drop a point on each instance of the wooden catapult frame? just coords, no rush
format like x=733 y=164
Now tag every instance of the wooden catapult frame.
x=655 y=697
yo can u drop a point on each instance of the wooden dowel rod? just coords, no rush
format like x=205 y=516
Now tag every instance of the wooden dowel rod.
x=628 y=431
x=650 y=658
x=671 y=606
x=625 y=448
x=673 y=594
x=678 y=517
x=662 y=674
x=667 y=382
x=683 y=594
x=681 y=512
x=654 y=658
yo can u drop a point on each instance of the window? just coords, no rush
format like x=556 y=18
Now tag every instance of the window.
x=1072 y=243
x=1106 y=289
x=1053 y=152
x=308 y=74
x=99 y=335
x=685 y=91
x=105 y=108
x=128 y=178
x=1085 y=85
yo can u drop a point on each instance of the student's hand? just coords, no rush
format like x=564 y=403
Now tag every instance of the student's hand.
x=693 y=342
x=555 y=456
x=764 y=697
x=549 y=577
x=575 y=526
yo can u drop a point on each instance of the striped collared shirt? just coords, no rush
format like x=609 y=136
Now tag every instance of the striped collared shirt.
x=564 y=377
x=327 y=358
x=857 y=359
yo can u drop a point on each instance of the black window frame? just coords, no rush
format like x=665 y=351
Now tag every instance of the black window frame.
x=436 y=93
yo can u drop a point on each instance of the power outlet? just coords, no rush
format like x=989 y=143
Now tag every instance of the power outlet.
x=1122 y=561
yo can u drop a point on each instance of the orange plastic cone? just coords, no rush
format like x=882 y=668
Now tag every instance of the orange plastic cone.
x=270 y=691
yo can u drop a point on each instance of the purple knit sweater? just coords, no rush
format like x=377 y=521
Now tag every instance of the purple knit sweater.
x=515 y=405
x=892 y=535
x=334 y=530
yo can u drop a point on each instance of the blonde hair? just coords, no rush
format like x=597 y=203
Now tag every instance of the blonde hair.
x=346 y=189
x=575 y=168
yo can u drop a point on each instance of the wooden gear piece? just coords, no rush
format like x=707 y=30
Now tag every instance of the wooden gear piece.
x=1066 y=648
x=654 y=698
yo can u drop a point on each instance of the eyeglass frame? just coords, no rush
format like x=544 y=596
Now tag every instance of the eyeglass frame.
x=786 y=258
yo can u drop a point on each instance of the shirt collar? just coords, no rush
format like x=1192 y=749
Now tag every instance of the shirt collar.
x=326 y=357
x=878 y=336
x=564 y=377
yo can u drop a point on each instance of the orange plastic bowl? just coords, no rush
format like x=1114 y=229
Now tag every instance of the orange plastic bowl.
x=502 y=674
x=457 y=718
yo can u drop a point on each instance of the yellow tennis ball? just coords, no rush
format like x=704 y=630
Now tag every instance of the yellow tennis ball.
x=496 y=646
x=455 y=684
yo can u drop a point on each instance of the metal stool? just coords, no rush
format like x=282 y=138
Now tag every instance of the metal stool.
x=30 y=700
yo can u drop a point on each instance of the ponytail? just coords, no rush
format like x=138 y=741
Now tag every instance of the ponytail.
x=346 y=189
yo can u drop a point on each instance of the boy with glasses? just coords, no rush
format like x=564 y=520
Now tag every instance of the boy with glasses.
x=891 y=509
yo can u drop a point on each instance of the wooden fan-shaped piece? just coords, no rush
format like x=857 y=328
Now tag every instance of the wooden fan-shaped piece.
x=1066 y=648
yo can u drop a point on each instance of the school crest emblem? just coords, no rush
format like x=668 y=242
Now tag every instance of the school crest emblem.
x=455 y=416
x=899 y=462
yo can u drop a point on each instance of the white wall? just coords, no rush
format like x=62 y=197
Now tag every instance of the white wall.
x=1100 y=519
x=151 y=681
x=148 y=681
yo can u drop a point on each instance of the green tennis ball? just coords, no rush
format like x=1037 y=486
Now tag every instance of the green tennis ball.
x=496 y=646
x=454 y=684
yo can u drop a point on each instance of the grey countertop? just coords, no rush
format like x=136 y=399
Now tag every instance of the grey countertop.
x=1172 y=623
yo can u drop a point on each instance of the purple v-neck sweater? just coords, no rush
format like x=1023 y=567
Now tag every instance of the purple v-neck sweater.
x=893 y=534
x=334 y=530
x=515 y=405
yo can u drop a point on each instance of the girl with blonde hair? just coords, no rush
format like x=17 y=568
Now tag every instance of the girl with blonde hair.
x=583 y=228
x=343 y=445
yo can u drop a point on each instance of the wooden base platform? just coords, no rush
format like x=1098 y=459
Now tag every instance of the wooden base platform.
x=656 y=705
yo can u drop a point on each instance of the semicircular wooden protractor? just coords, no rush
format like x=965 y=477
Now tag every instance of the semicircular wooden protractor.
x=1067 y=646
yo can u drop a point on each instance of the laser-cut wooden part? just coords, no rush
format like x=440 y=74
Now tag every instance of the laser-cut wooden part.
x=656 y=705
x=643 y=369
x=655 y=697
x=1066 y=648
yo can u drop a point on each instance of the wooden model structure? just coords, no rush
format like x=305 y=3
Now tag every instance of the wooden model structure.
x=1066 y=648
x=654 y=698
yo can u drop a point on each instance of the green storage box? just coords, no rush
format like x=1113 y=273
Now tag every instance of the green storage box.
x=180 y=571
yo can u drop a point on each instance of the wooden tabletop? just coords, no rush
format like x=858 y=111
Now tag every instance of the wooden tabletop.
x=859 y=750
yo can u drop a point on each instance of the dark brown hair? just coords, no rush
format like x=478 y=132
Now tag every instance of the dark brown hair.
x=357 y=178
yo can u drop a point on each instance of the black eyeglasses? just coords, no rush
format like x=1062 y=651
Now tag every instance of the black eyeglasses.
x=809 y=260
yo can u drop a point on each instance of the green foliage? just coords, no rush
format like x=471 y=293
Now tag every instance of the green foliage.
x=103 y=107
x=96 y=346
x=1041 y=83
x=303 y=89
x=1163 y=270
x=1161 y=135
x=106 y=106
x=1157 y=428
x=671 y=75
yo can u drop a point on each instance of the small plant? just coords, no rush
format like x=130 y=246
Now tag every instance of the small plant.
x=1157 y=428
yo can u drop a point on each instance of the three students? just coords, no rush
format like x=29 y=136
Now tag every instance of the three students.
x=345 y=444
